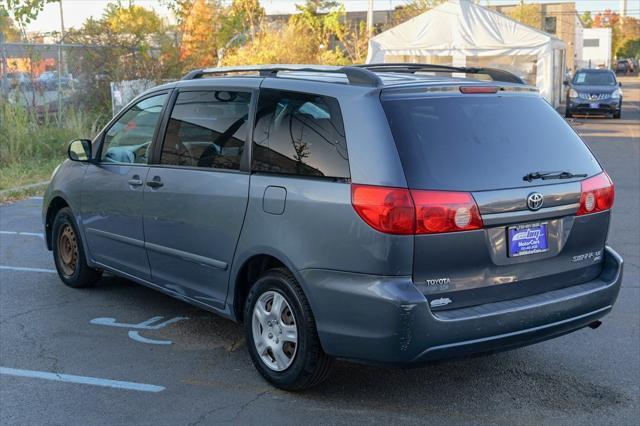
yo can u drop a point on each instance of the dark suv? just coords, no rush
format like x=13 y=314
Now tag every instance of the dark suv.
x=594 y=92
x=378 y=214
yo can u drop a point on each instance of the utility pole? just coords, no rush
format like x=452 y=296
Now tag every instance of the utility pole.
x=4 y=83
x=623 y=8
x=370 y=19
x=60 y=60
x=62 y=32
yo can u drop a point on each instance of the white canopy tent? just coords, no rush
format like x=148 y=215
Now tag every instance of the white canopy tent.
x=462 y=33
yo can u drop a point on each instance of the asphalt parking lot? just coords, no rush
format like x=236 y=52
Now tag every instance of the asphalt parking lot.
x=145 y=358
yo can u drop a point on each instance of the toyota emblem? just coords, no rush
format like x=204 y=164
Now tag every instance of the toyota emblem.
x=535 y=201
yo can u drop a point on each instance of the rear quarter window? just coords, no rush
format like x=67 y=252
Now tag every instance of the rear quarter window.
x=299 y=134
x=482 y=142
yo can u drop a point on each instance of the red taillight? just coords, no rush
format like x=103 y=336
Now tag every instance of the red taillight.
x=388 y=210
x=403 y=211
x=441 y=211
x=478 y=89
x=597 y=194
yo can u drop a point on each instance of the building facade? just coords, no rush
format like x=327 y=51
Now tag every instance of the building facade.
x=559 y=19
x=596 y=52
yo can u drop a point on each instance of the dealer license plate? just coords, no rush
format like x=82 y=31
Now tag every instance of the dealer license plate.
x=528 y=238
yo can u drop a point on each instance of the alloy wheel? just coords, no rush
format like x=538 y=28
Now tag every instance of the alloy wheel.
x=275 y=333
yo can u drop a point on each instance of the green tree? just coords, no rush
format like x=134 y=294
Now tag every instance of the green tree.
x=630 y=38
x=199 y=28
x=209 y=28
x=8 y=28
x=629 y=49
x=244 y=16
x=25 y=11
x=528 y=14
x=318 y=33
x=411 y=10
x=273 y=46
x=354 y=41
x=317 y=19
x=126 y=43
x=587 y=19
x=241 y=22
x=610 y=19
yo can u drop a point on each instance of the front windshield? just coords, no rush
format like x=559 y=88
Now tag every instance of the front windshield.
x=594 y=79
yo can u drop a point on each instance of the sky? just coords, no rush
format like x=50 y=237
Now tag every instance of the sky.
x=77 y=11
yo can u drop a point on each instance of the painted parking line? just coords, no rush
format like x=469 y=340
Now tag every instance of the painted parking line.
x=25 y=269
x=83 y=380
x=28 y=234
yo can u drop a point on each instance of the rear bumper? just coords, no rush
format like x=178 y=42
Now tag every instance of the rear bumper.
x=386 y=320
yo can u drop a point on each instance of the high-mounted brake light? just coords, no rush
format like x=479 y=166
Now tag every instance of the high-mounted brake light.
x=478 y=89
x=597 y=194
x=403 y=211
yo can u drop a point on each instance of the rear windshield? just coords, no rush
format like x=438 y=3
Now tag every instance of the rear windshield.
x=594 y=78
x=480 y=142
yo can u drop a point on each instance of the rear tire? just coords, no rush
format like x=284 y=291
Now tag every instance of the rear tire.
x=304 y=364
x=68 y=252
x=617 y=114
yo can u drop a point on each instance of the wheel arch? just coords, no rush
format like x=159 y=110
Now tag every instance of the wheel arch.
x=55 y=205
x=249 y=269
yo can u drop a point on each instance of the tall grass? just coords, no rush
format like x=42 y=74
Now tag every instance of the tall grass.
x=25 y=135
x=31 y=144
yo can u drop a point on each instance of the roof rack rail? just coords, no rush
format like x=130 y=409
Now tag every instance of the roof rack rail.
x=355 y=75
x=494 y=73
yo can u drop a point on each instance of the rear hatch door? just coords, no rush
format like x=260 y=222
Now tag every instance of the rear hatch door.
x=487 y=145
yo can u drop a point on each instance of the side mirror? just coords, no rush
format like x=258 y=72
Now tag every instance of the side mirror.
x=80 y=150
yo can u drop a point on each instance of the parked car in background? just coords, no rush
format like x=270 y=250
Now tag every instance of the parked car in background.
x=622 y=66
x=48 y=80
x=364 y=213
x=18 y=80
x=594 y=92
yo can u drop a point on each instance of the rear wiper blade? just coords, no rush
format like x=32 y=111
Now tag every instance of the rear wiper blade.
x=551 y=175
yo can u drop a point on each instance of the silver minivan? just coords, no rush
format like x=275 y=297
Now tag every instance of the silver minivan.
x=390 y=214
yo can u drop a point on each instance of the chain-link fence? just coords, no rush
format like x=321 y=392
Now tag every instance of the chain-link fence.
x=49 y=79
x=45 y=78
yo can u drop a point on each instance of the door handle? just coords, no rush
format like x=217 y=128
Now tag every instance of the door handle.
x=155 y=182
x=135 y=181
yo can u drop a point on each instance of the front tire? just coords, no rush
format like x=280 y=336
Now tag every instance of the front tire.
x=281 y=333
x=567 y=113
x=68 y=252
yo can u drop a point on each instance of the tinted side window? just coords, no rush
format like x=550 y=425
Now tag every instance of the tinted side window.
x=129 y=138
x=207 y=129
x=299 y=134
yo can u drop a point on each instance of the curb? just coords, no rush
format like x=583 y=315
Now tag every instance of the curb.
x=23 y=187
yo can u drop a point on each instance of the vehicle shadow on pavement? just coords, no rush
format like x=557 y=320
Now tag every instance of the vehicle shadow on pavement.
x=202 y=329
x=523 y=377
x=485 y=383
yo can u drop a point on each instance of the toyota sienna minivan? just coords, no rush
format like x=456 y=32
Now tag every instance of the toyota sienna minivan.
x=389 y=214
